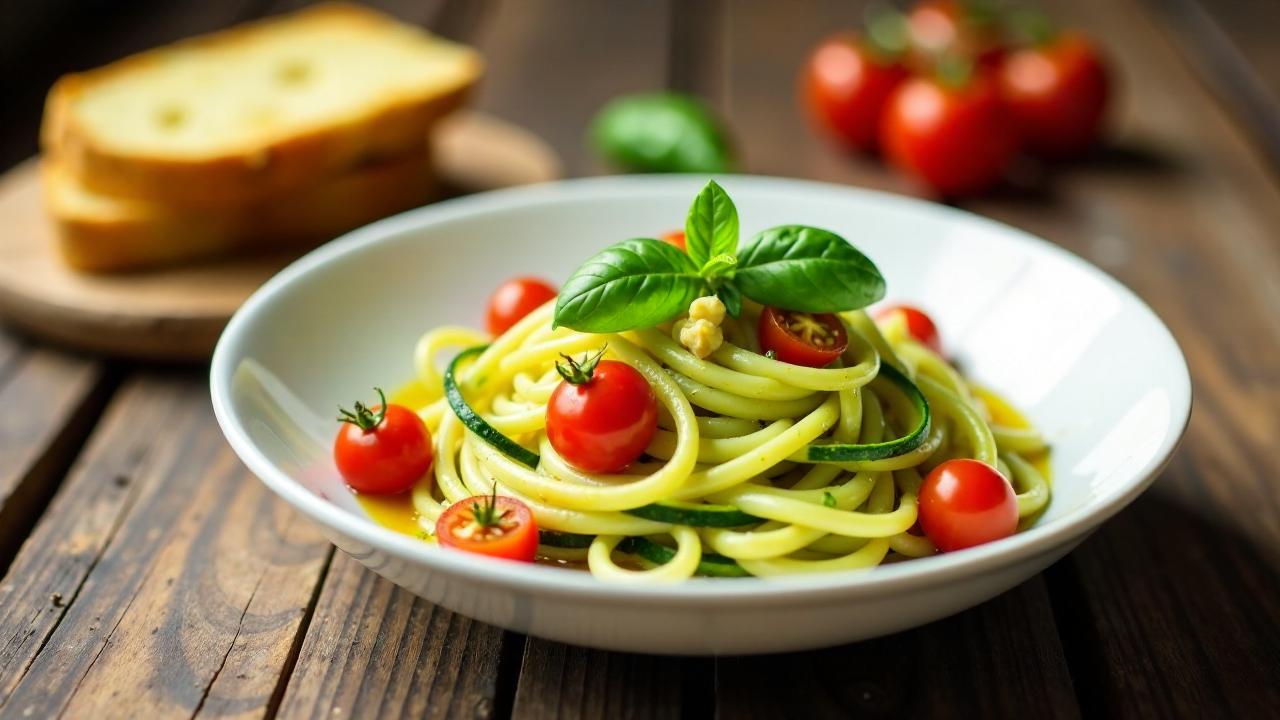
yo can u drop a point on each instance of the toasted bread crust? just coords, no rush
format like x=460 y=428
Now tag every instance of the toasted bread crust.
x=135 y=235
x=270 y=168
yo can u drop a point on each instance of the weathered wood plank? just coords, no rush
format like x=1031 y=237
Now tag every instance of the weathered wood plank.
x=193 y=579
x=998 y=660
x=50 y=401
x=375 y=650
x=1230 y=45
x=566 y=682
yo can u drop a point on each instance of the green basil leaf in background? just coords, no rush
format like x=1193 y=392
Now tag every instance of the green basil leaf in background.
x=807 y=269
x=711 y=228
x=731 y=298
x=661 y=132
x=632 y=284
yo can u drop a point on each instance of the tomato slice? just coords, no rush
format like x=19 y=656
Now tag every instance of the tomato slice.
x=675 y=237
x=919 y=325
x=501 y=527
x=966 y=502
x=800 y=338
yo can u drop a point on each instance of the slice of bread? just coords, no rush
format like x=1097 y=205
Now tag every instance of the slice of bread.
x=258 y=110
x=102 y=233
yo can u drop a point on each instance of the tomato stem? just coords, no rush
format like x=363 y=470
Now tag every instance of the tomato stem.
x=363 y=417
x=579 y=373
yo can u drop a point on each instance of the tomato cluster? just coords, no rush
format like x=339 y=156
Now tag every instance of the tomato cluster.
x=952 y=92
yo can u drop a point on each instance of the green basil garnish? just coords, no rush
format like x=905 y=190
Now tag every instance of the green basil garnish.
x=711 y=228
x=643 y=282
x=661 y=132
x=635 y=283
x=807 y=269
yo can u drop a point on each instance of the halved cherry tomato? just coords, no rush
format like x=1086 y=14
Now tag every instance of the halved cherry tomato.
x=966 y=502
x=382 y=450
x=675 y=237
x=801 y=338
x=1057 y=94
x=919 y=325
x=957 y=139
x=513 y=300
x=501 y=527
x=847 y=84
x=602 y=416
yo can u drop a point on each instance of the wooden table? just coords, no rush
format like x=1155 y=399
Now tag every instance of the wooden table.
x=149 y=574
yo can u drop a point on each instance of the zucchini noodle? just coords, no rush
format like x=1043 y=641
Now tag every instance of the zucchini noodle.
x=758 y=467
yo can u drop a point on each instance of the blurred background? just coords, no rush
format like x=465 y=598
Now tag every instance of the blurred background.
x=552 y=63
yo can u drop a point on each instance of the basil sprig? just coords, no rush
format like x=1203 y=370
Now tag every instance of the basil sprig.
x=644 y=281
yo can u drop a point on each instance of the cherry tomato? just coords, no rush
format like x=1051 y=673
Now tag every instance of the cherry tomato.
x=382 y=450
x=501 y=527
x=956 y=140
x=602 y=416
x=919 y=325
x=513 y=300
x=1057 y=95
x=675 y=237
x=800 y=338
x=965 y=503
x=847 y=85
x=936 y=27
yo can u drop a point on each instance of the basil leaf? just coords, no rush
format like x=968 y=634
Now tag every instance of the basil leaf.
x=711 y=227
x=632 y=284
x=718 y=267
x=731 y=298
x=807 y=269
x=661 y=132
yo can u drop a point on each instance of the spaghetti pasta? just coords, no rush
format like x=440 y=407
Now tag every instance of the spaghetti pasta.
x=751 y=471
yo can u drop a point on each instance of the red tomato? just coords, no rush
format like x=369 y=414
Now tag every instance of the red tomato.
x=513 y=300
x=846 y=87
x=382 y=450
x=1057 y=95
x=956 y=140
x=800 y=338
x=936 y=27
x=965 y=503
x=501 y=527
x=602 y=416
x=675 y=237
x=919 y=325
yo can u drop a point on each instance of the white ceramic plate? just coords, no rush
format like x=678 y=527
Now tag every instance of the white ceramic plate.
x=1091 y=364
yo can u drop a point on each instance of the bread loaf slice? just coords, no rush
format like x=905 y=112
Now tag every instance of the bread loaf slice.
x=255 y=111
x=102 y=233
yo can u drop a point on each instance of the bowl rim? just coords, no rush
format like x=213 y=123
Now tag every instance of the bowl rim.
x=1037 y=540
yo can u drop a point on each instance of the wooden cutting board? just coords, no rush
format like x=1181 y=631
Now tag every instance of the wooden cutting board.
x=178 y=313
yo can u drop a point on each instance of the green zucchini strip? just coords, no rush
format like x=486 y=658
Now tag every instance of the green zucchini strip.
x=555 y=538
x=890 y=448
x=710 y=565
x=472 y=419
x=694 y=514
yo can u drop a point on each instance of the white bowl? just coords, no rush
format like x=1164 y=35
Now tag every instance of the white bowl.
x=1088 y=361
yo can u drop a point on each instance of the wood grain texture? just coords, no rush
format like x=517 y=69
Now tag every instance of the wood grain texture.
x=184 y=583
x=376 y=650
x=1230 y=45
x=553 y=63
x=567 y=682
x=1001 y=659
x=51 y=400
